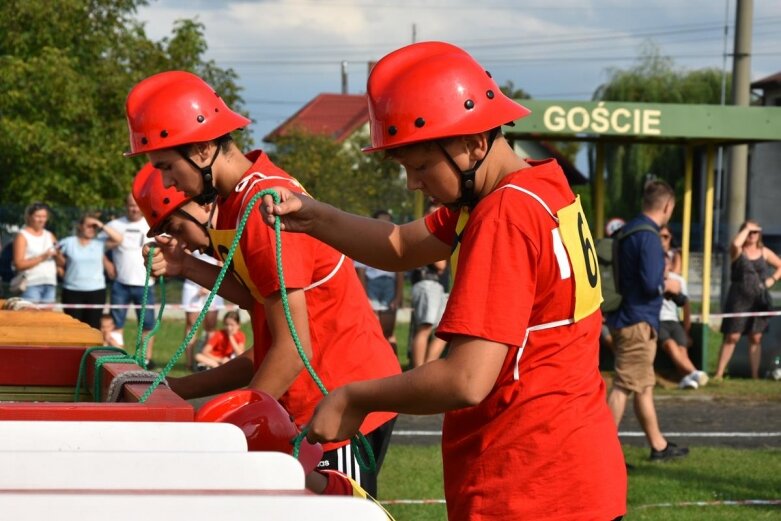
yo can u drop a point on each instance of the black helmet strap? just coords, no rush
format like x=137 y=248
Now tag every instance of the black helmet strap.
x=467 y=177
x=209 y=192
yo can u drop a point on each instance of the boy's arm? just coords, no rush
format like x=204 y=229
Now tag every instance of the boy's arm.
x=377 y=243
x=171 y=260
x=227 y=377
x=282 y=363
x=463 y=379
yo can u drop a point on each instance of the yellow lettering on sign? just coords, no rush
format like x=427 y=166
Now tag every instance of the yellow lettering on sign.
x=554 y=118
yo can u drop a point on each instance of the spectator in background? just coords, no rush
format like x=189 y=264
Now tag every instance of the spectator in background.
x=193 y=300
x=754 y=270
x=428 y=305
x=673 y=335
x=635 y=323
x=670 y=251
x=385 y=289
x=223 y=345
x=111 y=336
x=81 y=256
x=128 y=286
x=33 y=254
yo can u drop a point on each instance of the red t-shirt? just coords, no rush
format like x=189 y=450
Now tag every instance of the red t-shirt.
x=543 y=444
x=346 y=338
x=220 y=343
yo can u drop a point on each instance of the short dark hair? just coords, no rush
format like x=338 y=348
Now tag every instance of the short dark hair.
x=34 y=207
x=656 y=194
x=234 y=315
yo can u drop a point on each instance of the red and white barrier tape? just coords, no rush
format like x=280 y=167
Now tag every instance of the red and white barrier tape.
x=122 y=306
x=698 y=318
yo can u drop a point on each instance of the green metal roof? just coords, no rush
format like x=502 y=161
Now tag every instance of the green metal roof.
x=647 y=122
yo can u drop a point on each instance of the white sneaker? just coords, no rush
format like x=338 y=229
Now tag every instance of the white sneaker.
x=689 y=381
x=702 y=378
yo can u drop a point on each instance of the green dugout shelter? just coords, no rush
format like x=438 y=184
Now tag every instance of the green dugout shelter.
x=690 y=126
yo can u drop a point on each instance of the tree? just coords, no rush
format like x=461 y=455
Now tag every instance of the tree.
x=341 y=175
x=653 y=79
x=65 y=71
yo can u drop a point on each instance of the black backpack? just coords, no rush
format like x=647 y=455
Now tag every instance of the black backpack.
x=607 y=252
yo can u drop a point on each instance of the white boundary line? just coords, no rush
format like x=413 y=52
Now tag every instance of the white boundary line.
x=637 y=434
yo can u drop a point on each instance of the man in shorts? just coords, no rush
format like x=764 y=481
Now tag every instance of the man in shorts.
x=635 y=323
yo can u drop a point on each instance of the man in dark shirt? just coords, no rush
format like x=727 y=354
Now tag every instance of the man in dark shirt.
x=635 y=324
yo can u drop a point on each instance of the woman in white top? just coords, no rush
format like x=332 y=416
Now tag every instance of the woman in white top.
x=33 y=254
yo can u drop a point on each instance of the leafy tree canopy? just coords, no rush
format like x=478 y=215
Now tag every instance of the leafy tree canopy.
x=654 y=79
x=66 y=68
x=341 y=175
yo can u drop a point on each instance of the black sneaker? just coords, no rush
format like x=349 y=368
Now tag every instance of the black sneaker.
x=670 y=452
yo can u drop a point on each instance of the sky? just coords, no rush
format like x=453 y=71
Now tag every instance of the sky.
x=286 y=52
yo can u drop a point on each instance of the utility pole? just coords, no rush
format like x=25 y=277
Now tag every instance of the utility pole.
x=737 y=180
x=344 y=77
x=741 y=93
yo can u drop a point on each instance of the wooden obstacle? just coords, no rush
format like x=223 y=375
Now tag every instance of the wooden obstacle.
x=45 y=328
x=100 y=436
x=139 y=462
x=40 y=355
x=134 y=470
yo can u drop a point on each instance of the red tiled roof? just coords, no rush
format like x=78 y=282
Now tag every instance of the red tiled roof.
x=774 y=79
x=335 y=115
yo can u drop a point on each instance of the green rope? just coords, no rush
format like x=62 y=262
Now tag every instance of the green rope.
x=371 y=466
x=82 y=375
x=139 y=357
x=141 y=345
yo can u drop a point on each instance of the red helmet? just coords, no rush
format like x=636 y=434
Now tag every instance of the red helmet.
x=155 y=200
x=266 y=424
x=176 y=108
x=432 y=90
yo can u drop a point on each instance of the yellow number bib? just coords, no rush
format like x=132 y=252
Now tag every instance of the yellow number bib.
x=221 y=242
x=577 y=240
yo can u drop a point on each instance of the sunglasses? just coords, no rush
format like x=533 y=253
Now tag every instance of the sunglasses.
x=665 y=236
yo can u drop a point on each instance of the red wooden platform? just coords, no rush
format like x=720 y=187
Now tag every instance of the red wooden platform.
x=43 y=349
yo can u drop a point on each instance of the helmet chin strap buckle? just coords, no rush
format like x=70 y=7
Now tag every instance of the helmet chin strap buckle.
x=208 y=192
x=467 y=178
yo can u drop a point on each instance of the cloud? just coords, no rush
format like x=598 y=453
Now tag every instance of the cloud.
x=288 y=51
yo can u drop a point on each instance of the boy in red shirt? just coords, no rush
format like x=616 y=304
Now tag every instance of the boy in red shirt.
x=224 y=344
x=184 y=128
x=527 y=431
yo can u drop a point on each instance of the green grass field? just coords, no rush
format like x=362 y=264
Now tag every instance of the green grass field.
x=685 y=490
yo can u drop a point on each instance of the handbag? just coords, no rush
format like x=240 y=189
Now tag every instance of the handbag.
x=765 y=300
x=19 y=283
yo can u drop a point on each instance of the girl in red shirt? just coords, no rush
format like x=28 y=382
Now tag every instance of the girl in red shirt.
x=223 y=345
